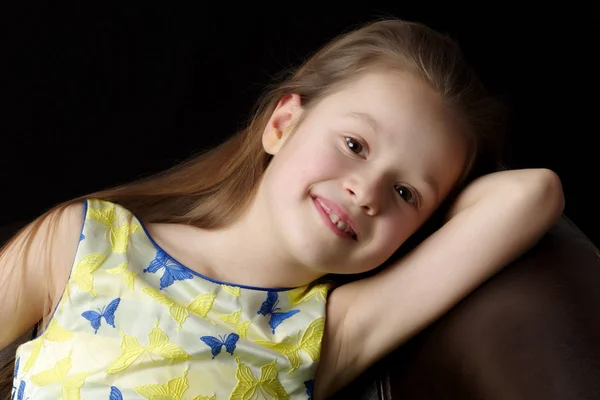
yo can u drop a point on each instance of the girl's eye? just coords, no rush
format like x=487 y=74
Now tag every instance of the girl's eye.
x=406 y=194
x=356 y=146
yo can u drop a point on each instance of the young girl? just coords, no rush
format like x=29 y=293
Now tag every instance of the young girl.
x=212 y=280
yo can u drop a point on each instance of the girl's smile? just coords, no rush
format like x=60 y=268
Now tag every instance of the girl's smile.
x=336 y=218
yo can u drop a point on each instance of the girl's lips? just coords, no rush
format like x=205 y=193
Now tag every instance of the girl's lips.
x=325 y=207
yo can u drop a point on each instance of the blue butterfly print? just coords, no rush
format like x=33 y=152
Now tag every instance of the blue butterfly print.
x=115 y=394
x=81 y=237
x=269 y=306
x=22 y=385
x=16 y=367
x=20 y=392
x=108 y=312
x=229 y=341
x=309 y=385
x=173 y=270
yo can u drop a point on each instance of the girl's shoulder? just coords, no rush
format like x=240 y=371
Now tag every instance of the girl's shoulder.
x=35 y=264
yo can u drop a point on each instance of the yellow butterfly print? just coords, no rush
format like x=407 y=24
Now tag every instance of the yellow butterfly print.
x=54 y=333
x=70 y=385
x=235 y=291
x=159 y=345
x=83 y=273
x=173 y=390
x=309 y=343
x=106 y=213
x=249 y=388
x=201 y=305
x=118 y=231
x=128 y=276
x=299 y=295
x=241 y=328
x=119 y=236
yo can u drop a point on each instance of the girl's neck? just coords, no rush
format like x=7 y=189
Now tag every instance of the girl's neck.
x=241 y=254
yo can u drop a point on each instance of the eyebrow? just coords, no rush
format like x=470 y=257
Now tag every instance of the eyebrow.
x=364 y=118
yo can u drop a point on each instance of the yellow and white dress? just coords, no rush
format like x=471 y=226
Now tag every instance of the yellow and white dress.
x=134 y=323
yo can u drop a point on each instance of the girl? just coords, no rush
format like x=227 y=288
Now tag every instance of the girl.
x=218 y=279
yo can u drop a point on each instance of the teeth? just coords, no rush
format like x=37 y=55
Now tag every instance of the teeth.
x=341 y=225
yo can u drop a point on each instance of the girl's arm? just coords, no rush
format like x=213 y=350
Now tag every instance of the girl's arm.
x=493 y=221
x=32 y=280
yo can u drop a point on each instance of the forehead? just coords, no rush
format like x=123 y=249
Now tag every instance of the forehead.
x=389 y=100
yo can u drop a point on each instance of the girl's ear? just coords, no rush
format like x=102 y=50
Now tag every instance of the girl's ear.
x=280 y=124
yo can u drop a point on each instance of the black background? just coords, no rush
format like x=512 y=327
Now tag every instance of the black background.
x=96 y=94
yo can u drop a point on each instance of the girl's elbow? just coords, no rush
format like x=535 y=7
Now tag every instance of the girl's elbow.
x=545 y=189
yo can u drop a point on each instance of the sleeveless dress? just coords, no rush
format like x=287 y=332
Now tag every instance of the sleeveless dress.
x=134 y=323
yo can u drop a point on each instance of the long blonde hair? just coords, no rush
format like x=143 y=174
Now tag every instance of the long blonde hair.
x=213 y=188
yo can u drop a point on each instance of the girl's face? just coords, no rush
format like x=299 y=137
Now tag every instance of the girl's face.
x=361 y=173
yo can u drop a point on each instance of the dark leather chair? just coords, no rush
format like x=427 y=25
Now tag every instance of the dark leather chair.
x=531 y=332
